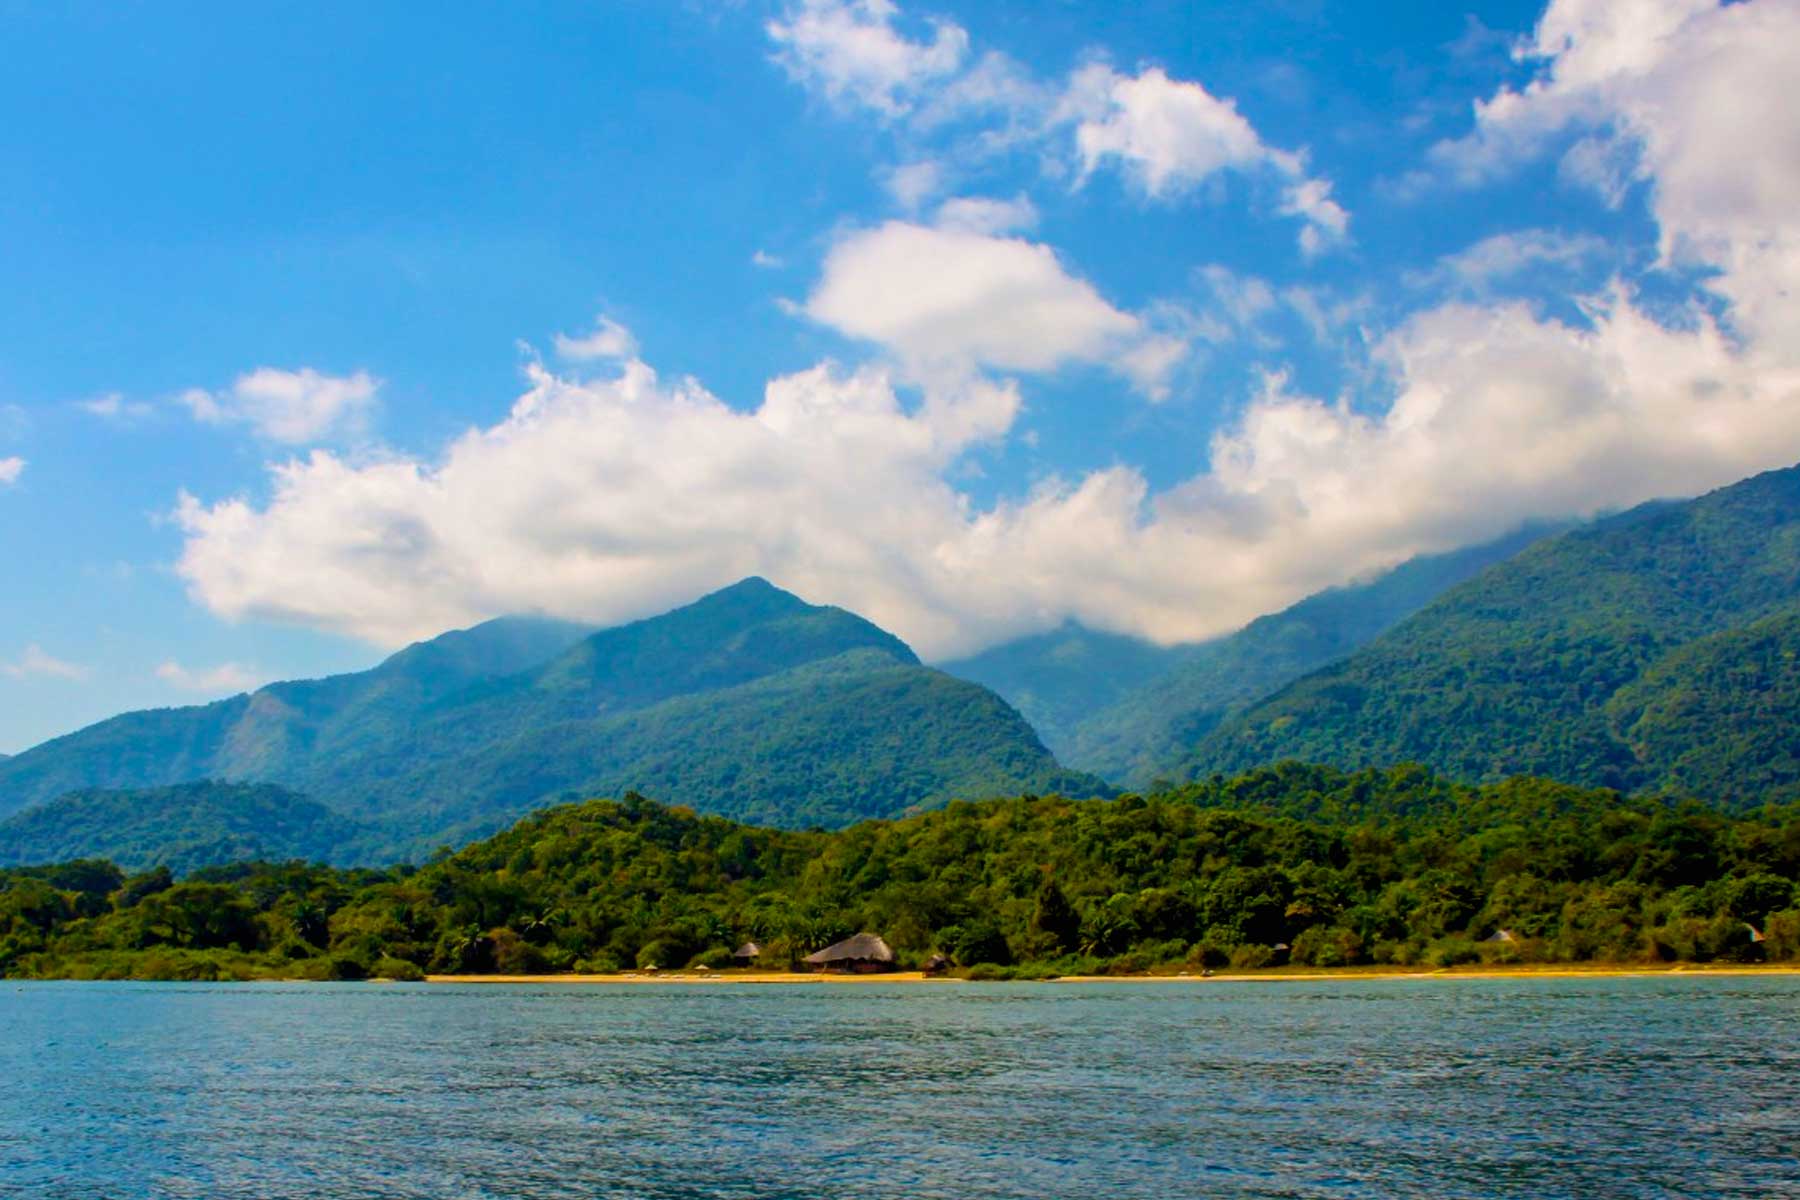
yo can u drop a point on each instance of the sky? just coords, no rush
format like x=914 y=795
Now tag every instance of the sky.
x=327 y=328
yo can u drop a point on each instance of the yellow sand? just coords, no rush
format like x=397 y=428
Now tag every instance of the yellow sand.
x=1288 y=975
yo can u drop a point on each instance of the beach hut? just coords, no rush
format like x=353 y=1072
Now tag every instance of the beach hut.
x=1756 y=934
x=746 y=955
x=863 y=953
x=1500 y=936
x=937 y=964
x=1278 y=954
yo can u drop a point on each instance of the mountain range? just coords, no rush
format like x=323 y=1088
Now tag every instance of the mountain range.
x=1656 y=651
x=748 y=703
x=1130 y=711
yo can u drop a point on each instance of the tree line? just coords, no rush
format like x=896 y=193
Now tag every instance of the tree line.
x=1289 y=864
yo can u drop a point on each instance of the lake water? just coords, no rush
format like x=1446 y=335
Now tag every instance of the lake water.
x=1646 y=1087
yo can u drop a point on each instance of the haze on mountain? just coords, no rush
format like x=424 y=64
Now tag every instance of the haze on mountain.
x=748 y=703
x=1130 y=711
x=1656 y=650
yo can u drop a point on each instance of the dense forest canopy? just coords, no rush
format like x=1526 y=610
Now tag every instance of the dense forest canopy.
x=1397 y=866
x=1653 y=651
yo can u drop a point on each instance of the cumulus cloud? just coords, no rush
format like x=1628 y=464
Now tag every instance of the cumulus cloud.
x=10 y=470
x=291 y=407
x=36 y=663
x=1170 y=135
x=850 y=51
x=913 y=183
x=224 y=679
x=954 y=298
x=608 y=339
x=611 y=499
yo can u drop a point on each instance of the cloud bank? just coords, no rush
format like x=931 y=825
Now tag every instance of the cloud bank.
x=613 y=498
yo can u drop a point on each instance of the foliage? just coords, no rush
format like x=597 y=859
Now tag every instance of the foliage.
x=1397 y=866
x=749 y=703
x=1127 y=711
x=183 y=827
x=1654 y=651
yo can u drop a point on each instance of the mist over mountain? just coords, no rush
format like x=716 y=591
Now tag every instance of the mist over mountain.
x=1131 y=711
x=1653 y=650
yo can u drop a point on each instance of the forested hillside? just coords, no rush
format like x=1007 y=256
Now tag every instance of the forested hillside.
x=1060 y=679
x=1378 y=866
x=749 y=703
x=1149 y=730
x=183 y=827
x=1651 y=651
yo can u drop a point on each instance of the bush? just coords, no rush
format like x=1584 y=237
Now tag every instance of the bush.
x=717 y=956
x=397 y=970
x=1251 y=956
x=1327 y=946
x=598 y=964
x=1451 y=952
x=1781 y=936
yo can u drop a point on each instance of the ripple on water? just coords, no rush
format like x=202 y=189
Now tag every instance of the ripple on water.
x=1381 y=1088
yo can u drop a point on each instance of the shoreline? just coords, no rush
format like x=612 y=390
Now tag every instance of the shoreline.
x=797 y=978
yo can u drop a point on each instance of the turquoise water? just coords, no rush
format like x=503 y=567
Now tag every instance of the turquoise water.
x=1378 y=1088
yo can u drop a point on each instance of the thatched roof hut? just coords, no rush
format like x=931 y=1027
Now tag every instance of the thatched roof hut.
x=746 y=954
x=863 y=952
x=937 y=964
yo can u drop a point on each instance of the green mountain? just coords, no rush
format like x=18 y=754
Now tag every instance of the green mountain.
x=182 y=827
x=1654 y=650
x=749 y=702
x=1061 y=679
x=1130 y=711
x=270 y=734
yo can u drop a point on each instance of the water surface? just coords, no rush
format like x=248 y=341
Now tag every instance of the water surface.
x=1643 y=1087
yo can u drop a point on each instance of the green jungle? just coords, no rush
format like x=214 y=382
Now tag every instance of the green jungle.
x=1309 y=865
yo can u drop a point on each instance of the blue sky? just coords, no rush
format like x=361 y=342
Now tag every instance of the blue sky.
x=328 y=327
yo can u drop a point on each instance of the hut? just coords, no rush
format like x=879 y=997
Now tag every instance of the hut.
x=746 y=955
x=937 y=964
x=1500 y=936
x=864 y=953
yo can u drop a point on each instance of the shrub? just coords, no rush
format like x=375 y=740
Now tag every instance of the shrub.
x=1451 y=952
x=398 y=970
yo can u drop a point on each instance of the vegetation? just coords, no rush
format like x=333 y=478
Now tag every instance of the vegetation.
x=749 y=703
x=1060 y=679
x=184 y=827
x=1397 y=866
x=1653 y=651
x=1129 y=711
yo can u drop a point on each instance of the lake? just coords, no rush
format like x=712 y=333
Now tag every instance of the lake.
x=1621 y=1087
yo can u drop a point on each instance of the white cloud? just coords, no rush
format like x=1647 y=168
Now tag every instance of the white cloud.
x=35 y=662
x=913 y=183
x=608 y=339
x=115 y=408
x=767 y=261
x=226 y=679
x=10 y=470
x=1507 y=256
x=850 y=52
x=614 y=499
x=1171 y=135
x=952 y=299
x=981 y=214
x=291 y=407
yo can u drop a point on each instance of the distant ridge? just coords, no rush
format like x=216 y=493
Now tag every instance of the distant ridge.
x=748 y=702
x=1130 y=711
x=1659 y=649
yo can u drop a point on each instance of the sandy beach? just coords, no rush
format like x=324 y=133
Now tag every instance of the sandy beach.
x=1291 y=975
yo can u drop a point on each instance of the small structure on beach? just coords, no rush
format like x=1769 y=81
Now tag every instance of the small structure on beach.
x=937 y=964
x=746 y=955
x=863 y=953
x=1279 y=954
x=1499 y=936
